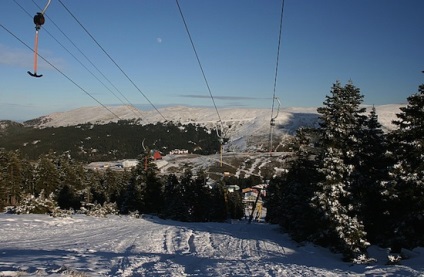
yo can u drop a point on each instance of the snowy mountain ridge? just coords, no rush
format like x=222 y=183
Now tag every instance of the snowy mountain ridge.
x=242 y=126
x=186 y=114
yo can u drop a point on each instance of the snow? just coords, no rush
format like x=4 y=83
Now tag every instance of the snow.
x=244 y=127
x=39 y=245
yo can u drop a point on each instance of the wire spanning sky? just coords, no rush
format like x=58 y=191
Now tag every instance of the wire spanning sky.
x=377 y=44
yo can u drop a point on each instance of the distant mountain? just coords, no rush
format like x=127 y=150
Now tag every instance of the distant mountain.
x=7 y=125
x=245 y=128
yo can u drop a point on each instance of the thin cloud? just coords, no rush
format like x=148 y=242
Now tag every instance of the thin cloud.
x=14 y=105
x=15 y=57
x=236 y=104
x=24 y=58
x=232 y=98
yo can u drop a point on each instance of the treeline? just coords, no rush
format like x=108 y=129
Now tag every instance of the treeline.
x=350 y=184
x=115 y=140
x=65 y=184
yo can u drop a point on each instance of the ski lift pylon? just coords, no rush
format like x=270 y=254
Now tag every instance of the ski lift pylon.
x=39 y=20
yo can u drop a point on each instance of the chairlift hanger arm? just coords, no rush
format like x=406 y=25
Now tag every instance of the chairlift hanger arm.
x=45 y=8
x=39 y=17
x=39 y=20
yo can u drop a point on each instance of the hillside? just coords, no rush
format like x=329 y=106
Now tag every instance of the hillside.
x=109 y=141
x=245 y=128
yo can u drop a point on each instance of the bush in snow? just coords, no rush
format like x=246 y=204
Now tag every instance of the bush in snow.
x=98 y=210
x=10 y=210
x=134 y=214
x=62 y=213
x=394 y=259
x=37 y=205
x=363 y=259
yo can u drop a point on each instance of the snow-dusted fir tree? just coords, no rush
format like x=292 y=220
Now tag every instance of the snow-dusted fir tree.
x=288 y=196
x=153 y=194
x=70 y=171
x=46 y=175
x=11 y=178
x=371 y=191
x=174 y=205
x=133 y=199
x=114 y=184
x=339 y=227
x=341 y=125
x=373 y=155
x=408 y=171
x=342 y=120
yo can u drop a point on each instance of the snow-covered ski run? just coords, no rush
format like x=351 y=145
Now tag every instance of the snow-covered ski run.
x=39 y=245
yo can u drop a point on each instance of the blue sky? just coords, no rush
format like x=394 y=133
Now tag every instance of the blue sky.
x=377 y=44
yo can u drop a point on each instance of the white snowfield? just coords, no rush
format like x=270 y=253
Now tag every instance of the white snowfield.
x=257 y=120
x=244 y=127
x=39 y=245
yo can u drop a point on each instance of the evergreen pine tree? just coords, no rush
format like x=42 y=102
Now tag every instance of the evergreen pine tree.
x=70 y=171
x=68 y=199
x=274 y=200
x=407 y=144
x=218 y=207
x=132 y=199
x=71 y=176
x=371 y=192
x=174 y=202
x=98 y=193
x=27 y=176
x=46 y=175
x=373 y=145
x=113 y=185
x=153 y=196
x=3 y=183
x=14 y=177
x=337 y=227
x=144 y=178
x=11 y=178
x=294 y=191
x=199 y=196
x=341 y=122
x=188 y=199
x=134 y=196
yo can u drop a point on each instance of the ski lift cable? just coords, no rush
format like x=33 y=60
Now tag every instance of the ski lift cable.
x=58 y=70
x=91 y=62
x=272 y=121
x=198 y=61
x=112 y=60
x=67 y=50
x=278 y=56
x=220 y=134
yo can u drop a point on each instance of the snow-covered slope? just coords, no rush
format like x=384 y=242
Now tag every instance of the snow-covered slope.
x=39 y=245
x=243 y=126
x=291 y=118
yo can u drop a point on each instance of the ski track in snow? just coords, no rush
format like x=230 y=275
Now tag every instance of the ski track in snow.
x=123 y=246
